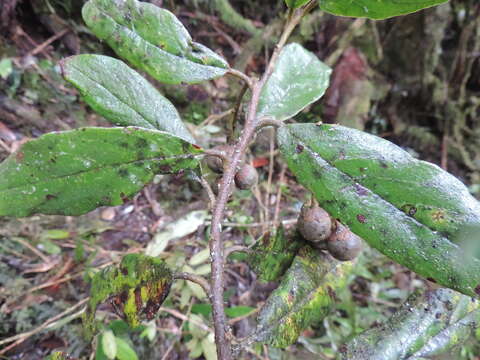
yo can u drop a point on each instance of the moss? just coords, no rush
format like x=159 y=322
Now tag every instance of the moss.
x=304 y=297
x=273 y=254
x=137 y=274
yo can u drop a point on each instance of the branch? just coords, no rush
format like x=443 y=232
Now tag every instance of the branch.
x=241 y=76
x=222 y=335
x=196 y=279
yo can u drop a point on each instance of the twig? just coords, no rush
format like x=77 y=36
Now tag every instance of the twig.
x=279 y=194
x=20 y=338
x=215 y=117
x=271 y=164
x=208 y=189
x=170 y=348
x=47 y=42
x=240 y=318
x=196 y=279
x=233 y=118
x=32 y=249
x=181 y=316
x=236 y=248
x=5 y=146
x=222 y=335
x=267 y=121
x=241 y=76
x=260 y=224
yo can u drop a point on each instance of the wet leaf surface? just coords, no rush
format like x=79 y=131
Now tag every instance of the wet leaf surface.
x=298 y=80
x=421 y=189
x=122 y=95
x=74 y=172
x=375 y=9
x=426 y=325
x=369 y=215
x=152 y=39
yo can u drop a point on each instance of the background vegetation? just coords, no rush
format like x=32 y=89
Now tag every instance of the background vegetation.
x=414 y=80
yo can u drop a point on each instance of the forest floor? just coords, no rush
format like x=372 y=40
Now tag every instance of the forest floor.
x=413 y=80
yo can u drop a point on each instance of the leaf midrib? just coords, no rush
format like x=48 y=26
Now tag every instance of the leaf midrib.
x=185 y=56
x=43 y=180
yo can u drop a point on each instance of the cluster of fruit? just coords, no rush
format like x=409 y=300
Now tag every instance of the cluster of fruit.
x=324 y=233
x=245 y=177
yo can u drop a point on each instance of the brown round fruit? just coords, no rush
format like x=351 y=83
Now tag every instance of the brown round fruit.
x=344 y=245
x=314 y=224
x=215 y=163
x=246 y=177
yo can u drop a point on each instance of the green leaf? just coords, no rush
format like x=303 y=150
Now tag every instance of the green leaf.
x=109 y=344
x=153 y=40
x=202 y=309
x=422 y=190
x=425 y=326
x=304 y=297
x=273 y=254
x=122 y=95
x=209 y=348
x=74 y=172
x=58 y=355
x=369 y=215
x=124 y=351
x=293 y=4
x=237 y=311
x=375 y=9
x=138 y=286
x=6 y=68
x=298 y=80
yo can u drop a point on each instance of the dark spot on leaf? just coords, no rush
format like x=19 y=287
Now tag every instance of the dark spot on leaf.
x=341 y=155
x=165 y=169
x=331 y=293
x=138 y=298
x=50 y=197
x=360 y=190
x=196 y=146
x=123 y=297
x=141 y=142
x=383 y=164
x=123 y=172
x=83 y=129
x=106 y=200
x=124 y=271
x=53 y=160
x=186 y=147
x=361 y=218
x=412 y=211
x=362 y=169
x=124 y=145
x=431 y=280
x=299 y=148
x=117 y=305
x=438 y=315
x=19 y=156
x=477 y=289
x=124 y=197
